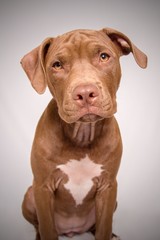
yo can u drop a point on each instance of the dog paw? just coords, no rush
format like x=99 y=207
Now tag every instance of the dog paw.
x=114 y=237
x=83 y=236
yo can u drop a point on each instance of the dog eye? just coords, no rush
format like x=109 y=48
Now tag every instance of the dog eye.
x=104 y=57
x=57 y=65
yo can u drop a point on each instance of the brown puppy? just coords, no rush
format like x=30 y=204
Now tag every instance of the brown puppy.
x=77 y=147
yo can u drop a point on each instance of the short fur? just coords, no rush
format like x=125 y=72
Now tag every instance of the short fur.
x=82 y=70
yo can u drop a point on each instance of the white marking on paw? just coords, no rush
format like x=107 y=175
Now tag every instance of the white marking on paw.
x=80 y=176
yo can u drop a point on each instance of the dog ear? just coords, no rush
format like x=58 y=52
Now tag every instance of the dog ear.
x=33 y=65
x=126 y=46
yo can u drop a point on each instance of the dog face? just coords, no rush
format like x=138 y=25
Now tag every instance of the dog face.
x=82 y=71
x=83 y=74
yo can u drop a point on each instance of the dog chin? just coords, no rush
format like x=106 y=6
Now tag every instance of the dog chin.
x=90 y=118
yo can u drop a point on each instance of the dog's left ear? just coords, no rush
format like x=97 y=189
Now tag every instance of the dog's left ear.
x=126 y=46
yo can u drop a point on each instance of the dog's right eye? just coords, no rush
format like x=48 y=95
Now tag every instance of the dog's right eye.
x=57 y=65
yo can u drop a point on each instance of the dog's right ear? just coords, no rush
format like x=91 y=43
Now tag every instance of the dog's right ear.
x=33 y=65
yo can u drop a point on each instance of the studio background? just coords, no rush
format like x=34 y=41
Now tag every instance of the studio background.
x=23 y=26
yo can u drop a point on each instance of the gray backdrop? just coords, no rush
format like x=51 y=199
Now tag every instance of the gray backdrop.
x=23 y=26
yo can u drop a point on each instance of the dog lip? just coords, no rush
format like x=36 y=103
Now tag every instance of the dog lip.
x=92 y=114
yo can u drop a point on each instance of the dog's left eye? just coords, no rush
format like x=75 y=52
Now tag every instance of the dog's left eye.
x=104 y=57
x=57 y=65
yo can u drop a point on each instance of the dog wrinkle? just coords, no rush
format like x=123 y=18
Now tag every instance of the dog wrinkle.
x=84 y=131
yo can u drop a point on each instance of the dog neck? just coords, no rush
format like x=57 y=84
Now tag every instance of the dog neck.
x=84 y=131
x=83 y=134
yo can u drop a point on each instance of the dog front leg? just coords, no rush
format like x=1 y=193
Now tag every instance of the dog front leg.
x=105 y=206
x=44 y=200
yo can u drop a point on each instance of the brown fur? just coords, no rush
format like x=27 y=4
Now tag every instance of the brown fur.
x=77 y=122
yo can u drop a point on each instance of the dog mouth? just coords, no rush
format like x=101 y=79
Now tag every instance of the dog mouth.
x=89 y=114
x=86 y=116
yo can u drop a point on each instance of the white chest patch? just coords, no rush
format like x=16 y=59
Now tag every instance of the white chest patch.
x=80 y=174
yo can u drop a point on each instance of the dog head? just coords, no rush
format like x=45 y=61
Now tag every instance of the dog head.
x=82 y=71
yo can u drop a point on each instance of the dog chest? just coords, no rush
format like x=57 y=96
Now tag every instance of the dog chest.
x=80 y=175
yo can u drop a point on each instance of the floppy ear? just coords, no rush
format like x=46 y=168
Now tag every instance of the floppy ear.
x=33 y=65
x=126 y=46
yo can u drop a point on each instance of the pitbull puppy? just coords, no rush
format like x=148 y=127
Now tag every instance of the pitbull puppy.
x=77 y=146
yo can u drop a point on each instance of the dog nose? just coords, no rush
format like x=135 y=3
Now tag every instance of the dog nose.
x=85 y=94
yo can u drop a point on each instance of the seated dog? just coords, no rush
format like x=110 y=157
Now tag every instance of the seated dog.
x=77 y=146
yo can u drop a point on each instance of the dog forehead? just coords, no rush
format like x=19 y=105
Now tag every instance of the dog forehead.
x=78 y=39
x=80 y=35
